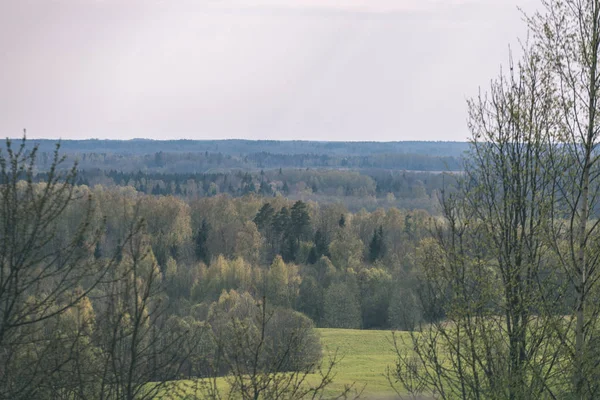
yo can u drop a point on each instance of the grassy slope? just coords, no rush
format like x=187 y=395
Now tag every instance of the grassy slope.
x=366 y=356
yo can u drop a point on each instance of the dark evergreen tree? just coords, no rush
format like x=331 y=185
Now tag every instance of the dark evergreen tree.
x=408 y=225
x=342 y=221
x=377 y=246
x=264 y=217
x=300 y=221
x=250 y=188
x=281 y=222
x=289 y=249
x=265 y=189
x=202 y=251
x=286 y=188
x=281 y=232
x=313 y=257
x=321 y=244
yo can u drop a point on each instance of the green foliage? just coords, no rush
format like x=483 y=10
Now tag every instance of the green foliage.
x=375 y=285
x=283 y=283
x=341 y=307
x=286 y=339
x=310 y=299
x=404 y=310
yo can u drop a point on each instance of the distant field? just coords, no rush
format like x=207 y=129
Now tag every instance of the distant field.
x=366 y=356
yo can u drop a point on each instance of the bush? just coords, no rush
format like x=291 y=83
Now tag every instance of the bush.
x=243 y=327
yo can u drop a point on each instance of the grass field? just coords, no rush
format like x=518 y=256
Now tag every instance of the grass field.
x=366 y=357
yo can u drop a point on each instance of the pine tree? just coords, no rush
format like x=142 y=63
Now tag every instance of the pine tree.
x=377 y=246
x=321 y=244
x=313 y=257
x=286 y=188
x=300 y=221
x=265 y=189
x=202 y=251
x=264 y=217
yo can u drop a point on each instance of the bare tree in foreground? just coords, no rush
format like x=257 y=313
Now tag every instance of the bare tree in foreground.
x=519 y=266
x=74 y=324
x=44 y=272
x=568 y=37
x=489 y=264
x=141 y=349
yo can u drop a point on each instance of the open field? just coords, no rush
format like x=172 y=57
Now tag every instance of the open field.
x=366 y=356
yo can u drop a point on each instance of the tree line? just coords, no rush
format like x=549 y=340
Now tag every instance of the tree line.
x=205 y=161
x=369 y=189
x=236 y=147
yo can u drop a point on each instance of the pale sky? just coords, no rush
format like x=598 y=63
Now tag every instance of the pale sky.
x=382 y=70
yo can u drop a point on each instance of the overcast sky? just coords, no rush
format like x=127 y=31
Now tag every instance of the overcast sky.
x=257 y=69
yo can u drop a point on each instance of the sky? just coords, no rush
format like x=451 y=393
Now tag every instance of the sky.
x=357 y=70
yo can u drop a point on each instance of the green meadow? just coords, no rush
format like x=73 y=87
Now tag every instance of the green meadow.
x=366 y=355
x=363 y=356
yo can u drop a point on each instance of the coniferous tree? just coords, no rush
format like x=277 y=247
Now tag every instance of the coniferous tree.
x=281 y=229
x=320 y=247
x=202 y=250
x=286 y=188
x=377 y=246
x=312 y=255
x=264 y=217
x=300 y=221
x=265 y=189
x=342 y=221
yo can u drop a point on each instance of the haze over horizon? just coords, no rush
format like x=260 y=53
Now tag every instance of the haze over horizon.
x=329 y=70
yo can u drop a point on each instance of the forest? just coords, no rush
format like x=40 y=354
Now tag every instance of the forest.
x=358 y=175
x=111 y=288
